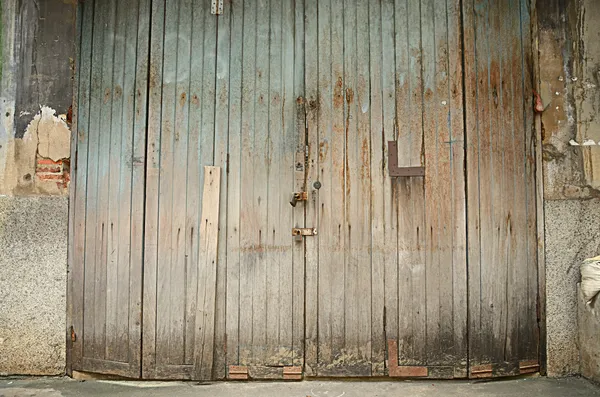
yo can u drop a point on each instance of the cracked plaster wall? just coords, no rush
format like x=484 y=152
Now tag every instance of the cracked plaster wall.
x=38 y=39
x=569 y=50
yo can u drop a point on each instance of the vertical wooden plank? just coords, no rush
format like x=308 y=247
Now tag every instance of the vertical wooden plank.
x=390 y=80
x=102 y=223
x=313 y=163
x=295 y=85
x=533 y=262
x=152 y=189
x=288 y=303
x=400 y=316
x=332 y=149
x=472 y=163
x=140 y=110
x=82 y=118
x=165 y=345
x=359 y=227
x=443 y=185
x=497 y=280
x=262 y=160
x=234 y=177
x=411 y=226
x=509 y=203
x=247 y=212
x=275 y=246
x=222 y=91
x=381 y=216
x=329 y=237
x=179 y=297
x=114 y=204
x=92 y=188
x=207 y=278
x=457 y=158
x=432 y=178
x=195 y=159
x=127 y=269
x=485 y=158
x=385 y=243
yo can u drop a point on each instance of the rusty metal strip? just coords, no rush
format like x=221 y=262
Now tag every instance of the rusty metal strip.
x=481 y=371
x=394 y=170
x=529 y=367
x=238 y=372
x=397 y=371
x=292 y=373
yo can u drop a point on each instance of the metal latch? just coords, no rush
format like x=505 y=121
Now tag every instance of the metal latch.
x=216 y=7
x=301 y=196
x=304 y=231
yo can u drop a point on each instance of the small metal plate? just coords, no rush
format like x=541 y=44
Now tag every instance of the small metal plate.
x=304 y=231
x=216 y=7
x=393 y=168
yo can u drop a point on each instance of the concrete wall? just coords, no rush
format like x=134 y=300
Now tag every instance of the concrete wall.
x=35 y=95
x=33 y=257
x=569 y=48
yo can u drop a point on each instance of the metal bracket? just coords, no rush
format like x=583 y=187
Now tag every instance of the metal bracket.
x=216 y=7
x=398 y=371
x=304 y=231
x=393 y=168
x=300 y=196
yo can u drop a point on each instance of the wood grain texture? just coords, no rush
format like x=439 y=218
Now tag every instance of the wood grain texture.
x=207 y=274
x=502 y=227
x=107 y=227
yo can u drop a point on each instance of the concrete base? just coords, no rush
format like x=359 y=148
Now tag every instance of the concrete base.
x=33 y=272
x=526 y=387
x=572 y=235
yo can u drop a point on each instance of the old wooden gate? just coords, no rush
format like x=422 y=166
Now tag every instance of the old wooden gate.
x=404 y=127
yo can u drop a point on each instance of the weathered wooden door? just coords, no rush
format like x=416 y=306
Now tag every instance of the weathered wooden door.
x=386 y=276
x=223 y=92
x=305 y=96
x=107 y=208
x=503 y=267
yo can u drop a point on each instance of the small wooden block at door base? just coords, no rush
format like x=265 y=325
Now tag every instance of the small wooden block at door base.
x=207 y=274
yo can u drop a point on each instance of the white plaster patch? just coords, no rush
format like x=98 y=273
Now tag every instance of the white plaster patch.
x=53 y=134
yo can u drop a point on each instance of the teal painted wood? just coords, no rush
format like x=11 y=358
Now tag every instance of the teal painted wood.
x=503 y=330
x=294 y=20
x=107 y=219
x=234 y=187
x=79 y=199
x=223 y=94
x=311 y=88
x=155 y=74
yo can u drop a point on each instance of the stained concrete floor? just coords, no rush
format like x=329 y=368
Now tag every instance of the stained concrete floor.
x=524 y=387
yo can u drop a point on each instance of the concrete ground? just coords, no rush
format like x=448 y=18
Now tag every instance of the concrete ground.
x=525 y=387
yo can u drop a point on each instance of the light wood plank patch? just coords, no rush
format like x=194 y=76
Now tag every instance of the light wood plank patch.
x=207 y=273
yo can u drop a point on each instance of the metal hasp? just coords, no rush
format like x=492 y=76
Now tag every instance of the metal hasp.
x=393 y=168
x=216 y=7
x=304 y=231
x=300 y=196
